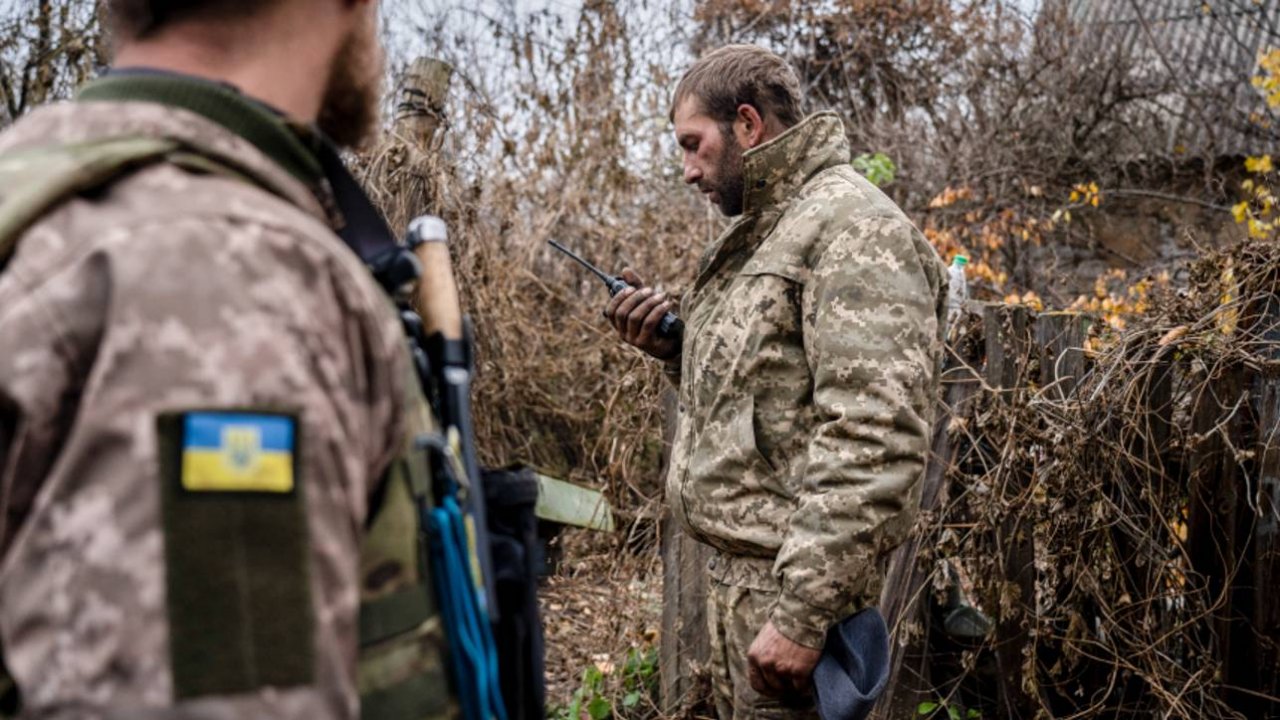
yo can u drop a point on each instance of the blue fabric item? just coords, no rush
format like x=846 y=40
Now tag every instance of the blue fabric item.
x=471 y=647
x=854 y=668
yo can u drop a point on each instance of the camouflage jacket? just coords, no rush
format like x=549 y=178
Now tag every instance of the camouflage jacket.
x=812 y=342
x=176 y=291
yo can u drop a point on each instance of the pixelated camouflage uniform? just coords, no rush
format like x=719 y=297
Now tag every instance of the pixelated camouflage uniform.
x=172 y=290
x=811 y=347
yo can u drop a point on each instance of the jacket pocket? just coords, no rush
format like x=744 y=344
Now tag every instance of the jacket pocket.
x=745 y=428
x=728 y=473
x=777 y=261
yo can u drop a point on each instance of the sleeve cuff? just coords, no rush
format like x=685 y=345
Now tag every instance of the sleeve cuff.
x=799 y=622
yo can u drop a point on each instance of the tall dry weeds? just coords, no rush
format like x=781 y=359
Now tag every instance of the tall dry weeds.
x=568 y=148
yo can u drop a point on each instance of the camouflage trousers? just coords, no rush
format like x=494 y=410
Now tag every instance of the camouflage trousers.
x=739 y=596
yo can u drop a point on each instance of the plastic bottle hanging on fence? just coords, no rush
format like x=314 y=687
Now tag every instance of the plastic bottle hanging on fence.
x=957 y=293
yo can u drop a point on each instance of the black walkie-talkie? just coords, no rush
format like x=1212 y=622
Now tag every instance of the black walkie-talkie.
x=670 y=326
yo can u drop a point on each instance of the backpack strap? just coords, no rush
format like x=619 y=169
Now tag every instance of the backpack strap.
x=34 y=181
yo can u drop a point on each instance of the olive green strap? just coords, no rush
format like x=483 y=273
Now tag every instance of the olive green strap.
x=36 y=180
x=417 y=698
x=394 y=614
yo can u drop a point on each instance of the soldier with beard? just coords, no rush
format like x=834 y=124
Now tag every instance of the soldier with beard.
x=806 y=370
x=204 y=394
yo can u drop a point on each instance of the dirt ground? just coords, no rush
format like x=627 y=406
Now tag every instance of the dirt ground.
x=602 y=604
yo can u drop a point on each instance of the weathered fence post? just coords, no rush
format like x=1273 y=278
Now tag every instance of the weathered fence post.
x=686 y=644
x=1007 y=329
x=1060 y=338
x=1215 y=539
x=904 y=601
x=402 y=172
x=420 y=101
x=1266 y=537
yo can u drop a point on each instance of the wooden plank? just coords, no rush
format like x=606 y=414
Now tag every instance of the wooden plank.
x=1212 y=524
x=1266 y=550
x=904 y=600
x=1266 y=537
x=1063 y=367
x=565 y=503
x=685 y=649
x=686 y=644
x=1007 y=329
x=1060 y=337
x=1155 y=469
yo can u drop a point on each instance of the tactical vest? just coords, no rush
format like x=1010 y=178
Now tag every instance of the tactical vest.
x=401 y=672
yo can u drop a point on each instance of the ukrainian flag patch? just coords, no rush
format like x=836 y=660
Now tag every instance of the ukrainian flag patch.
x=237 y=452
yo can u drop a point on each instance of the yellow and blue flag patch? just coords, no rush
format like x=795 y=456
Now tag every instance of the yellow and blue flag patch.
x=237 y=452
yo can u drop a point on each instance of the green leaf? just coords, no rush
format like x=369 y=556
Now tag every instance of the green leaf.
x=599 y=709
x=631 y=700
x=953 y=712
x=574 y=711
x=878 y=168
x=925 y=708
x=973 y=715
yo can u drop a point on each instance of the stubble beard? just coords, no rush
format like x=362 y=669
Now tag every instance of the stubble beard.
x=350 y=112
x=731 y=186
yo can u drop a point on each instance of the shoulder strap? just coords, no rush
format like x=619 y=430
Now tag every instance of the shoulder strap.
x=34 y=181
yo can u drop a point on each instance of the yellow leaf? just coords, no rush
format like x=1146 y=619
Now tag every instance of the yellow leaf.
x=1257 y=230
x=1258 y=165
x=1240 y=211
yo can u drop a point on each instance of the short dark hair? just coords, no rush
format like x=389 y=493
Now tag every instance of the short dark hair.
x=136 y=19
x=736 y=75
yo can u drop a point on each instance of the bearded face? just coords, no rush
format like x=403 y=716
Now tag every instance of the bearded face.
x=712 y=155
x=728 y=183
x=350 y=112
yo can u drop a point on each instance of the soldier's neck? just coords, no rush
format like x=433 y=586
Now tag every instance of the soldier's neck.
x=285 y=74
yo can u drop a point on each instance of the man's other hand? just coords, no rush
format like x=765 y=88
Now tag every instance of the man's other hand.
x=636 y=313
x=779 y=667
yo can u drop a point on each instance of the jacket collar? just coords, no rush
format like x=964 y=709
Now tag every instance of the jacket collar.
x=123 y=109
x=291 y=145
x=772 y=174
x=774 y=171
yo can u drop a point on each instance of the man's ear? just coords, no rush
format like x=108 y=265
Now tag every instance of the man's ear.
x=748 y=127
